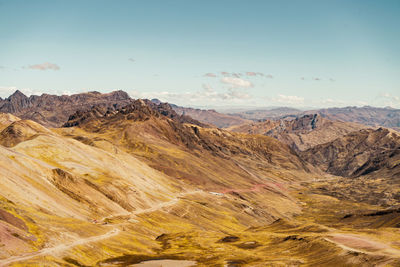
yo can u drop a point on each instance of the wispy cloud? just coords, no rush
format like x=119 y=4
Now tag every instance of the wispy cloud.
x=390 y=100
x=233 y=93
x=237 y=82
x=330 y=102
x=225 y=74
x=207 y=88
x=317 y=79
x=207 y=95
x=230 y=94
x=390 y=96
x=131 y=59
x=44 y=66
x=289 y=99
x=251 y=73
x=258 y=74
x=5 y=91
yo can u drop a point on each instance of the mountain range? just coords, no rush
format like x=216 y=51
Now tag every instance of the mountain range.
x=367 y=115
x=302 y=132
x=53 y=110
x=102 y=179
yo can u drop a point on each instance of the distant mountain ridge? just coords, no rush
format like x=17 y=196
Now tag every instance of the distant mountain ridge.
x=373 y=116
x=302 y=132
x=263 y=114
x=53 y=110
x=210 y=116
x=367 y=115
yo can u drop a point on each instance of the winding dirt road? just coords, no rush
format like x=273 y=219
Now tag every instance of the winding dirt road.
x=115 y=231
x=59 y=248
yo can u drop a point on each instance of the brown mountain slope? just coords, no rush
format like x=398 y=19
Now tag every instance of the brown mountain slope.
x=210 y=116
x=371 y=161
x=301 y=133
x=141 y=123
x=53 y=110
x=255 y=127
x=20 y=131
x=359 y=153
x=51 y=185
x=6 y=119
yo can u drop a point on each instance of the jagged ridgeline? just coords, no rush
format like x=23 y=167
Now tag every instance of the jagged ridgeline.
x=53 y=110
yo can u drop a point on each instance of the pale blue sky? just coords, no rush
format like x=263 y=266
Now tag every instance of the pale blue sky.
x=310 y=53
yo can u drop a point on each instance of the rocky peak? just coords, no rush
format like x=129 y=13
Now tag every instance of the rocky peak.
x=307 y=122
x=137 y=110
x=156 y=101
x=120 y=95
x=17 y=95
x=14 y=103
x=54 y=110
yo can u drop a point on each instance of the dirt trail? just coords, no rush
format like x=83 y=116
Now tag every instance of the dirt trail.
x=167 y=203
x=59 y=248
x=156 y=207
x=271 y=186
x=115 y=231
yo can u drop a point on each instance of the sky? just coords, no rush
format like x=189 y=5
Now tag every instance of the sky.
x=218 y=53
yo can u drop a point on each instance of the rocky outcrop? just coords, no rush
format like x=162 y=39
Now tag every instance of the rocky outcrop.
x=358 y=153
x=137 y=110
x=53 y=110
x=302 y=132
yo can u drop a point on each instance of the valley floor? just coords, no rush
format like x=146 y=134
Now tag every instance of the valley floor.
x=329 y=231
